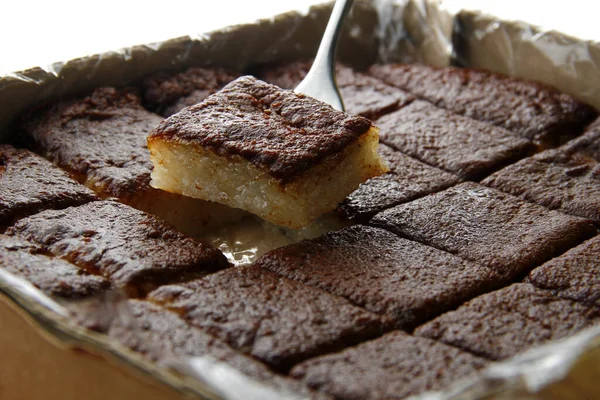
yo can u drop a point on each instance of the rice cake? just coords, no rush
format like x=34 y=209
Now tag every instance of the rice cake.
x=457 y=144
x=101 y=140
x=134 y=250
x=53 y=276
x=165 y=338
x=383 y=273
x=168 y=93
x=283 y=156
x=362 y=94
x=501 y=324
x=529 y=109
x=573 y=275
x=406 y=180
x=557 y=179
x=29 y=184
x=275 y=319
x=394 y=366
x=587 y=144
x=488 y=227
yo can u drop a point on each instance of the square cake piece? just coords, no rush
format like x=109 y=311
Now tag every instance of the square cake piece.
x=558 y=179
x=406 y=180
x=574 y=275
x=275 y=319
x=529 y=109
x=164 y=337
x=362 y=94
x=395 y=366
x=488 y=227
x=501 y=324
x=375 y=269
x=53 y=276
x=471 y=149
x=101 y=140
x=283 y=156
x=168 y=93
x=134 y=250
x=29 y=183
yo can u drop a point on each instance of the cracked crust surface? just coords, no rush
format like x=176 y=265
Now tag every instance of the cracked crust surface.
x=134 y=250
x=168 y=93
x=275 y=319
x=488 y=227
x=574 y=275
x=50 y=274
x=457 y=144
x=161 y=335
x=503 y=323
x=557 y=179
x=388 y=275
x=532 y=110
x=30 y=183
x=362 y=94
x=394 y=366
x=406 y=180
x=276 y=130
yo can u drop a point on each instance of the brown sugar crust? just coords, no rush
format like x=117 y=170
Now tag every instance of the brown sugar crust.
x=557 y=179
x=407 y=180
x=162 y=336
x=277 y=130
x=277 y=320
x=51 y=275
x=488 y=227
x=574 y=275
x=501 y=324
x=466 y=147
x=29 y=183
x=362 y=94
x=394 y=366
x=100 y=139
x=587 y=144
x=529 y=109
x=168 y=93
x=134 y=250
x=375 y=269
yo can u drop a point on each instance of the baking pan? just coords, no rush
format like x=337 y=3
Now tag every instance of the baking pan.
x=42 y=343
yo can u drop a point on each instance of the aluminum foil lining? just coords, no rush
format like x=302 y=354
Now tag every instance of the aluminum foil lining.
x=377 y=31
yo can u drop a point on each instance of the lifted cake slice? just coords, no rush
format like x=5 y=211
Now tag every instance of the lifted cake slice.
x=283 y=156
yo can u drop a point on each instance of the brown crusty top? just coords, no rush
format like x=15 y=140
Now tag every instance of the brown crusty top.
x=275 y=129
x=100 y=139
x=487 y=226
x=469 y=148
x=406 y=180
x=557 y=179
x=275 y=319
x=393 y=367
x=29 y=183
x=375 y=269
x=529 y=109
x=134 y=250
x=362 y=94
x=51 y=275
x=587 y=144
x=167 y=93
x=163 y=336
x=500 y=324
x=574 y=275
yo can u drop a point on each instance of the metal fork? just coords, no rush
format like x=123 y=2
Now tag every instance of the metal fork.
x=320 y=81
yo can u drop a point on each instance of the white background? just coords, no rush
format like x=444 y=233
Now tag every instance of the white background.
x=37 y=32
